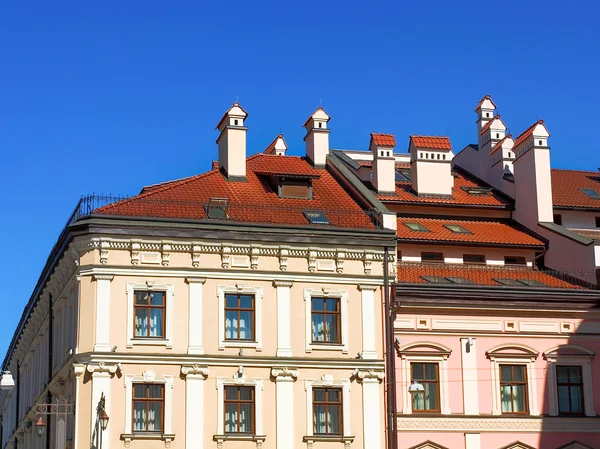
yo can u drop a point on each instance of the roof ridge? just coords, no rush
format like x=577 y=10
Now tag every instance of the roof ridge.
x=526 y=133
x=579 y=171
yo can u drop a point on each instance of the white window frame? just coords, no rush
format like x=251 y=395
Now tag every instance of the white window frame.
x=169 y=290
x=240 y=289
x=525 y=356
x=148 y=377
x=342 y=295
x=436 y=354
x=328 y=381
x=581 y=357
x=240 y=381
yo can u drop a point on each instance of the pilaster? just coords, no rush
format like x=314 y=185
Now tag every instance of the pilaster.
x=368 y=321
x=194 y=375
x=284 y=339
x=284 y=385
x=195 y=345
x=469 y=375
x=102 y=343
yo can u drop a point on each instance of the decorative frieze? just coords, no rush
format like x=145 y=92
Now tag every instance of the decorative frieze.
x=225 y=257
x=312 y=261
x=496 y=424
x=135 y=253
x=196 y=250
x=165 y=255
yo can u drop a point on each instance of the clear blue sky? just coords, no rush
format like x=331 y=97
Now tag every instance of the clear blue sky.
x=110 y=96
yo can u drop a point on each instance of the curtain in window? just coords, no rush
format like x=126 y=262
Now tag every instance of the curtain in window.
x=156 y=322
x=139 y=416
x=319 y=419
x=154 y=416
x=333 y=419
x=231 y=418
x=141 y=322
x=318 y=328
x=231 y=325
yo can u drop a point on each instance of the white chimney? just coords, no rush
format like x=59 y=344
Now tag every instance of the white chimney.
x=278 y=147
x=533 y=182
x=485 y=112
x=384 y=163
x=232 y=143
x=431 y=165
x=317 y=137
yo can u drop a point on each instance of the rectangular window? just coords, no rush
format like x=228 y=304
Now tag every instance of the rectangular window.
x=149 y=314
x=428 y=400
x=513 y=388
x=432 y=257
x=239 y=410
x=239 y=317
x=474 y=258
x=598 y=222
x=514 y=260
x=294 y=189
x=569 y=382
x=327 y=411
x=558 y=219
x=326 y=320
x=148 y=407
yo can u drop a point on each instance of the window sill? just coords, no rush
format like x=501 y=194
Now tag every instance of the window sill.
x=240 y=344
x=239 y=437
x=166 y=437
x=328 y=439
x=328 y=347
x=149 y=342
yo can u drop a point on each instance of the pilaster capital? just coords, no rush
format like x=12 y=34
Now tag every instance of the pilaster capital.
x=78 y=369
x=284 y=374
x=283 y=283
x=196 y=368
x=103 y=367
x=195 y=280
x=103 y=277
x=367 y=287
x=369 y=375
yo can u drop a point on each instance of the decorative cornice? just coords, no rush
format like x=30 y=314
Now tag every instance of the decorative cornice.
x=194 y=280
x=369 y=375
x=496 y=424
x=103 y=367
x=284 y=374
x=366 y=287
x=195 y=369
x=103 y=277
x=283 y=283
x=78 y=369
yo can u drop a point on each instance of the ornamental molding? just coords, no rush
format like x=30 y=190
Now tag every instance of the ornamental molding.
x=283 y=283
x=103 y=367
x=496 y=424
x=284 y=374
x=195 y=369
x=369 y=375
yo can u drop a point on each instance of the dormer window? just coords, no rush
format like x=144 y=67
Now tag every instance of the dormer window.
x=294 y=188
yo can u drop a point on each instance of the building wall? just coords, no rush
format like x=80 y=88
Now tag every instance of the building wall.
x=454 y=254
x=578 y=219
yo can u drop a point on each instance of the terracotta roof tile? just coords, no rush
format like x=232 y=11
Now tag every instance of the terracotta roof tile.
x=253 y=201
x=487 y=97
x=525 y=134
x=431 y=142
x=493 y=232
x=500 y=143
x=567 y=185
x=489 y=124
x=271 y=148
x=412 y=273
x=384 y=140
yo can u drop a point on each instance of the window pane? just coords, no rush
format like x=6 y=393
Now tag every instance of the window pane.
x=155 y=416
x=562 y=374
x=332 y=329
x=519 y=373
x=418 y=401
x=141 y=298
x=563 y=400
x=231 y=418
x=505 y=392
x=319 y=395
x=575 y=375
x=417 y=371
x=333 y=395
x=139 y=416
x=246 y=418
x=141 y=322
x=332 y=305
x=246 y=302
x=157 y=298
x=318 y=328
x=333 y=419
x=231 y=301
x=430 y=371
x=317 y=304
x=155 y=391
x=231 y=325
x=245 y=326
x=139 y=391
x=431 y=396
x=156 y=322
x=505 y=373
x=246 y=393
x=231 y=393
x=518 y=398
x=319 y=419
x=576 y=405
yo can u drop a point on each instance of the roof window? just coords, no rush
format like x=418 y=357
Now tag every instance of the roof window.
x=507 y=281
x=435 y=280
x=217 y=208
x=459 y=280
x=432 y=257
x=531 y=283
x=316 y=217
x=417 y=227
x=457 y=229
x=591 y=193
x=403 y=175
x=477 y=191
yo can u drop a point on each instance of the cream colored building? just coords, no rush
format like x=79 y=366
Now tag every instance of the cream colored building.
x=238 y=308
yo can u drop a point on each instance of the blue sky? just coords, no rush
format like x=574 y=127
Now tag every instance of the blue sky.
x=110 y=96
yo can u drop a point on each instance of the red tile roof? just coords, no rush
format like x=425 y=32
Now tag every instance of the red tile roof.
x=566 y=185
x=487 y=97
x=493 y=232
x=525 y=134
x=383 y=140
x=412 y=273
x=488 y=124
x=589 y=233
x=252 y=201
x=431 y=142
x=271 y=148
x=500 y=143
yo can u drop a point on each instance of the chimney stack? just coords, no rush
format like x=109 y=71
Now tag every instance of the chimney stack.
x=431 y=166
x=485 y=112
x=533 y=181
x=384 y=164
x=317 y=137
x=232 y=143
x=278 y=147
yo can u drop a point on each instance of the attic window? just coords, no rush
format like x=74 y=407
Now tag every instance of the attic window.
x=514 y=260
x=403 y=175
x=432 y=257
x=435 y=280
x=531 y=283
x=217 y=208
x=459 y=280
x=591 y=193
x=507 y=281
x=477 y=190
x=598 y=222
x=417 y=227
x=457 y=229
x=473 y=258
x=294 y=188
x=316 y=217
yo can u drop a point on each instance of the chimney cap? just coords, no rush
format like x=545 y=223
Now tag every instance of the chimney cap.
x=383 y=140
x=319 y=114
x=278 y=146
x=487 y=101
x=530 y=132
x=236 y=110
x=431 y=142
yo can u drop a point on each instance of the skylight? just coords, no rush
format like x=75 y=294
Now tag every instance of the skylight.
x=459 y=280
x=531 y=282
x=316 y=217
x=591 y=193
x=457 y=229
x=418 y=227
x=435 y=280
x=477 y=190
x=507 y=281
x=217 y=208
x=403 y=175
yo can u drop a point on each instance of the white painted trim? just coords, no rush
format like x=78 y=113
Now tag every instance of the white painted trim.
x=469 y=376
x=100 y=385
x=472 y=441
x=284 y=337
x=257 y=292
x=284 y=391
x=258 y=401
x=102 y=343
x=328 y=381
x=529 y=361
x=169 y=290
x=195 y=377
x=309 y=293
x=368 y=321
x=442 y=360
x=148 y=377
x=372 y=428
x=195 y=315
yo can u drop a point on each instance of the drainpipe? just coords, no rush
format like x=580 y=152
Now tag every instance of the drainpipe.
x=50 y=357
x=392 y=437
